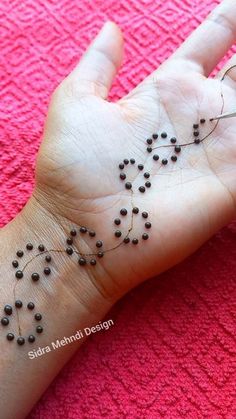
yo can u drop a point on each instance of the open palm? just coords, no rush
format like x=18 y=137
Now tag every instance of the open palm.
x=86 y=138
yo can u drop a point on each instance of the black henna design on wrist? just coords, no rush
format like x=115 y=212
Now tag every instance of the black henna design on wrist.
x=71 y=241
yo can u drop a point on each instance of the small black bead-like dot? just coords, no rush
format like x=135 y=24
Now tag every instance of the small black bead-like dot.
x=149 y=149
x=100 y=254
x=18 y=304
x=126 y=161
x=173 y=140
x=202 y=120
x=122 y=176
x=82 y=230
x=29 y=246
x=41 y=248
x=146 y=175
x=148 y=184
x=123 y=211
x=135 y=241
x=92 y=233
x=47 y=270
x=197 y=141
x=19 y=274
x=155 y=136
x=4 y=321
x=145 y=236
x=38 y=317
x=35 y=276
x=155 y=157
x=10 y=336
x=15 y=263
x=69 y=251
x=39 y=329
x=8 y=309
x=126 y=240
x=121 y=166
x=174 y=158
x=99 y=243
x=20 y=340
x=195 y=126
x=163 y=135
x=48 y=258
x=196 y=133
x=142 y=189
x=145 y=214
x=69 y=241
x=135 y=210
x=149 y=141
x=140 y=166
x=73 y=232
x=164 y=161
x=132 y=161
x=128 y=185
x=117 y=221
x=148 y=224
x=20 y=253
x=82 y=261
x=30 y=305
x=177 y=148
x=118 y=233
x=93 y=262
x=31 y=338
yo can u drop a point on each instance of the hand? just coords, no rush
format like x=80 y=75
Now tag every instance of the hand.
x=86 y=137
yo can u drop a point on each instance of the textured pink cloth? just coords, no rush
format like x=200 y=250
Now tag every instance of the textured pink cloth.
x=171 y=353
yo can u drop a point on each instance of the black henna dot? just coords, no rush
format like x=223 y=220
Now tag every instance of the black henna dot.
x=126 y=240
x=5 y=321
x=195 y=126
x=82 y=230
x=145 y=236
x=69 y=251
x=117 y=221
x=164 y=161
x=135 y=210
x=149 y=141
x=142 y=189
x=123 y=211
x=132 y=161
x=146 y=175
x=47 y=270
x=38 y=316
x=20 y=253
x=93 y=262
x=15 y=263
x=121 y=166
x=10 y=336
x=73 y=232
x=29 y=246
x=174 y=158
x=149 y=149
x=145 y=214
x=41 y=248
x=128 y=185
x=30 y=305
x=100 y=254
x=8 y=309
x=177 y=148
x=31 y=338
x=163 y=135
x=19 y=274
x=148 y=224
x=173 y=140
x=140 y=166
x=197 y=141
x=39 y=329
x=20 y=340
x=155 y=157
x=202 y=120
x=82 y=261
x=135 y=241
x=18 y=304
x=48 y=258
x=118 y=233
x=35 y=276
x=155 y=136
x=92 y=233
x=122 y=176
x=126 y=161
x=69 y=241
x=196 y=133
x=99 y=243
x=148 y=184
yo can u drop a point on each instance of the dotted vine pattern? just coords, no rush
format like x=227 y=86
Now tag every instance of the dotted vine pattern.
x=85 y=259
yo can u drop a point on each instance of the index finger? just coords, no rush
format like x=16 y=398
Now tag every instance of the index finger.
x=212 y=39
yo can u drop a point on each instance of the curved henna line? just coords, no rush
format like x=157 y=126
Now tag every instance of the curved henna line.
x=227 y=71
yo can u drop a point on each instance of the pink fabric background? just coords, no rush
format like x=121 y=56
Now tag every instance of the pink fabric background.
x=171 y=353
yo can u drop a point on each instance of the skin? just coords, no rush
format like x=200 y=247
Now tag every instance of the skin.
x=77 y=183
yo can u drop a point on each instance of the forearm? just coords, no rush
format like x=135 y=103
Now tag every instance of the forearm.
x=67 y=299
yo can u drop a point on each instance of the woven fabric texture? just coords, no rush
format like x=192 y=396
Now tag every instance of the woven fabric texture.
x=171 y=353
